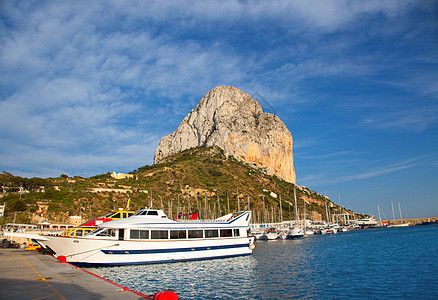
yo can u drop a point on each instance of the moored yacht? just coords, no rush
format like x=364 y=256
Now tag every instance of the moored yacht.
x=295 y=233
x=259 y=235
x=272 y=234
x=366 y=222
x=149 y=236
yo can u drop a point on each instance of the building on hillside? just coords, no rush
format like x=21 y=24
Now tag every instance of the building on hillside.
x=121 y=175
x=76 y=220
x=2 y=210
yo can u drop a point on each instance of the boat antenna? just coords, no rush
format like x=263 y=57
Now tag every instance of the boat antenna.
x=127 y=204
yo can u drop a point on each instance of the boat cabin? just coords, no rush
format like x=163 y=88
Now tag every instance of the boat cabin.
x=151 y=213
x=167 y=234
x=153 y=224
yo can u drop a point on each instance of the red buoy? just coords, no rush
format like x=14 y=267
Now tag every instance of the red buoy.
x=62 y=259
x=165 y=295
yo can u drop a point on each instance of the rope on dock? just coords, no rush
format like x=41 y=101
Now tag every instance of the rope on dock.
x=70 y=255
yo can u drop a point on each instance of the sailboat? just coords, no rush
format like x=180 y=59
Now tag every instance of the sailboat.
x=306 y=231
x=401 y=224
x=297 y=232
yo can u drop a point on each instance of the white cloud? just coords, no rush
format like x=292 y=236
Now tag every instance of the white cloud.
x=379 y=171
x=94 y=77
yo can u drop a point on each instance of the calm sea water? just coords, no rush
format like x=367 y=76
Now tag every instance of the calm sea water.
x=362 y=264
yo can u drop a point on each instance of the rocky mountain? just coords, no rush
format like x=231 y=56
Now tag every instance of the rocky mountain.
x=233 y=121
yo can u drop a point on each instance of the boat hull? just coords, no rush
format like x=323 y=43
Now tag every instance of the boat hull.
x=97 y=252
x=272 y=236
x=400 y=225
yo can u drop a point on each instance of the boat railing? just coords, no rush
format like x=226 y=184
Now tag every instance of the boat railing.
x=201 y=221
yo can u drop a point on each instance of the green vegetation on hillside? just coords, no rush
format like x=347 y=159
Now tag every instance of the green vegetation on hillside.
x=200 y=179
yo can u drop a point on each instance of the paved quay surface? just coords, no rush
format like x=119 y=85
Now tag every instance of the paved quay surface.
x=32 y=275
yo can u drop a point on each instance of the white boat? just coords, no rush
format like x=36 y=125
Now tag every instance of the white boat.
x=283 y=235
x=319 y=227
x=272 y=234
x=150 y=236
x=401 y=224
x=295 y=233
x=343 y=228
x=366 y=222
x=259 y=235
x=331 y=230
x=298 y=232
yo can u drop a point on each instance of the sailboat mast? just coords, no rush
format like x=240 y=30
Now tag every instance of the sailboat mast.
x=304 y=217
x=296 y=208
x=378 y=209
x=281 y=211
x=401 y=218
x=264 y=210
x=393 y=215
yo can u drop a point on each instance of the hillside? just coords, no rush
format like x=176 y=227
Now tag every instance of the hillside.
x=193 y=177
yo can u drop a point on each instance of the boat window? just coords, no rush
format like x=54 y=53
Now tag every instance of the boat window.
x=159 y=234
x=211 y=233
x=139 y=213
x=196 y=234
x=236 y=232
x=130 y=214
x=134 y=234
x=226 y=232
x=116 y=216
x=152 y=213
x=95 y=231
x=107 y=232
x=86 y=232
x=121 y=234
x=79 y=232
x=139 y=234
x=178 y=234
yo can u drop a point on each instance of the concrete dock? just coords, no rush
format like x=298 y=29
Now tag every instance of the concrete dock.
x=32 y=275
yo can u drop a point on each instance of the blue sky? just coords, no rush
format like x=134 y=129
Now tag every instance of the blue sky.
x=88 y=87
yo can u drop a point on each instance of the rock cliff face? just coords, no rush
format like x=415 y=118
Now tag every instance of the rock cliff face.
x=230 y=119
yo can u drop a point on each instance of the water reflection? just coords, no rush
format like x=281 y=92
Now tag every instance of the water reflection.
x=285 y=269
x=230 y=278
x=387 y=263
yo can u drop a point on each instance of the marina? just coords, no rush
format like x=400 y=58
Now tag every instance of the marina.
x=291 y=259
x=219 y=150
x=381 y=263
x=281 y=269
